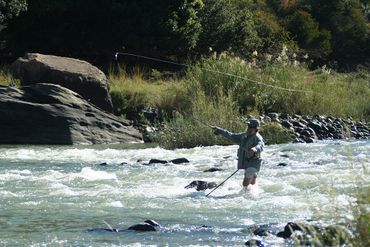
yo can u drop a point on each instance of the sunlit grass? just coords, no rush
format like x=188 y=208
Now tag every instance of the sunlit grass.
x=6 y=79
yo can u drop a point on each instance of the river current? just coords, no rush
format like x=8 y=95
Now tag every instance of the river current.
x=53 y=195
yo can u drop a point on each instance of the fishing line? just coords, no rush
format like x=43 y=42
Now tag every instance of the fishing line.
x=211 y=70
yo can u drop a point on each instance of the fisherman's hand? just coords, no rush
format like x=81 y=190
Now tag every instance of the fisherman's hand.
x=251 y=152
x=215 y=129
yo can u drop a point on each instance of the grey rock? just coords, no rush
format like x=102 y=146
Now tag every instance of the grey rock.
x=213 y=169
x=254 y=242
x=147 y=226
x=52 y=114
x=76 y=75
x=273 y=115
x=286 y=124
x=201 y=185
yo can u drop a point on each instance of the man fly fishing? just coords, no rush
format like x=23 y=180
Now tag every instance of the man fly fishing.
x=250 y=147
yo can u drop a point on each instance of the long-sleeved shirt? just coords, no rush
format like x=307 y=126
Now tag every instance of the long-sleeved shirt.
x=246 y=142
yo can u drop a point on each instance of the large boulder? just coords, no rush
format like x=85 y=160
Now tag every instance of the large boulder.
x=52 y=114
x=77 y=75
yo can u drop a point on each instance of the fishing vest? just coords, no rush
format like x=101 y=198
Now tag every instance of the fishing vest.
x=244 y=161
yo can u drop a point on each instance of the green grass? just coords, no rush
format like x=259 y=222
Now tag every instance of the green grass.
x=6 y=79
x=131 y=94
x=327 y=92
x=218 y=90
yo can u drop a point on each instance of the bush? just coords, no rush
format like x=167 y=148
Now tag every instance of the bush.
x=274 y=133
x=7 y=79
x=187 y=130
x=256 y=85
x=130 y=95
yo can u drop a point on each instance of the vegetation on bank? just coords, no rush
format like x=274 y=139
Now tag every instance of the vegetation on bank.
x=223 y=89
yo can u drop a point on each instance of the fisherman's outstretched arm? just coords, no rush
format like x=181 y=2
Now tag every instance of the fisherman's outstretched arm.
x=233 y=137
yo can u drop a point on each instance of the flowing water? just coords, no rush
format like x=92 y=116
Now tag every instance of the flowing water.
x=53 y=195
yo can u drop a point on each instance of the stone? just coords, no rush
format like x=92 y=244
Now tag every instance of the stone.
x=147 y=226
x=282 y=164
x=213 y=169
x=156 y=161
x=286 y=124
x=180 y=161
x=254 y=242
x=273 y=115
x=52 y=114
x=315 y=126
x=201 y=185
x=76 y=75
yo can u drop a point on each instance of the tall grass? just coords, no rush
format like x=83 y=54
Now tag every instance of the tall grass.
x=6 y=79
x=131 y=94
x=327 y=92
x=220 y=89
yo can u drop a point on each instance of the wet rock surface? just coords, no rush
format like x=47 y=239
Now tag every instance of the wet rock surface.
x=201 y=185
x=74 y=74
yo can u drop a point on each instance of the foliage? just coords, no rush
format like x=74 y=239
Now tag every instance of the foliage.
x=238 y=34
x=348 y=27
x=274 y=133
x=130 y=95
x=7 y=79
x=96 y=30
x=10 y=9
x=186 y=130
x=335 y=31
x=362 y=217
x=305 y=31
x=257 y=85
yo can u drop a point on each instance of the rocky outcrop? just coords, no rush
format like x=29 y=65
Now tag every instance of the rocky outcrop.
x=76 y=75
x=52 y=114
x=307 y=128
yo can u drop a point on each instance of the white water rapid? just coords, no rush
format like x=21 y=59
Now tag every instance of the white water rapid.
x=53 y=195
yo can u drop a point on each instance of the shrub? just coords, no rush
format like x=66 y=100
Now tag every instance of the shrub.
x=130 y=95
x=191 y=129
x=274 y=133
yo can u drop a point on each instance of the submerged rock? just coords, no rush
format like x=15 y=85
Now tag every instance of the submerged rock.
x=213 y=169
x=147 y=226
x=254 y=243
x=201 y=185
x=174 y=161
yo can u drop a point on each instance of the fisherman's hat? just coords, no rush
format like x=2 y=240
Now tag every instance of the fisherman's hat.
x=253 y=123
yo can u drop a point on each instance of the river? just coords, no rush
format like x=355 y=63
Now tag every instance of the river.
x=53 y=195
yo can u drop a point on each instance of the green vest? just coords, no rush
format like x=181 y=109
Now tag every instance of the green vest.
x=246 y=142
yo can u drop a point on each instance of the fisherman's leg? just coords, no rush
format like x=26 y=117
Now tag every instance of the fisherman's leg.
x=250 y=176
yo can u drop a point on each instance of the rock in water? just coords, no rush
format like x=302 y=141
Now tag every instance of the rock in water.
x=76 y=75
x=180 y=161
x=201 y=185
x=147 y=226
x=52 y=114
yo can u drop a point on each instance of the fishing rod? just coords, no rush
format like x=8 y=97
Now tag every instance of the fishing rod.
x=210 y=70
x=222 y=182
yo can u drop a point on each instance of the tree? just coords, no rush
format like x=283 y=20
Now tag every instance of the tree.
x=10 y=9
x=349 y=29
x=228 y=25
x=95 y=29
x=307 y=33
